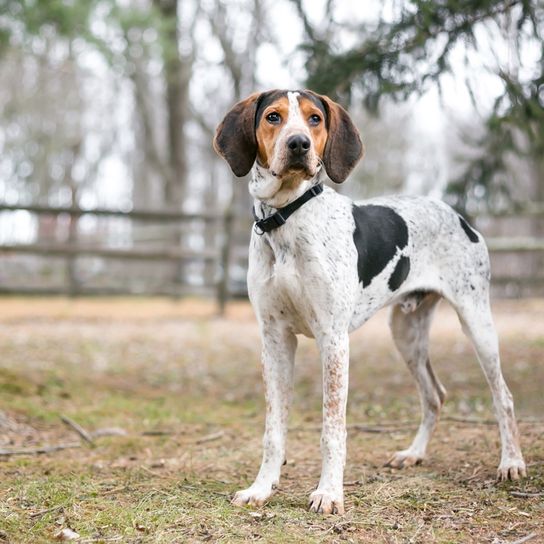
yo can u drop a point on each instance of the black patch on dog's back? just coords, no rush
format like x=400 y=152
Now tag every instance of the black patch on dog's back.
x=379 y=231
x=471 y=234
x=402 y=269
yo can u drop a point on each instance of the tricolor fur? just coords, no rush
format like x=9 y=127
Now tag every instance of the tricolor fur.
x=333 y=264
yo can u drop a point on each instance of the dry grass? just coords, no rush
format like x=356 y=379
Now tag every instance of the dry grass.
x=147 y=366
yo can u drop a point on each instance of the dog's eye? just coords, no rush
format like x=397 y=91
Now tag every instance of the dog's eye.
x=273 y=118
x=314 y=119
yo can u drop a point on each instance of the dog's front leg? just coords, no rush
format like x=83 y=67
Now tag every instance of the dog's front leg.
x=277 y=362
x=328 y=498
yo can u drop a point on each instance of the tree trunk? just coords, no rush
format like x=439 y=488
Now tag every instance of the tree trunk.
x=177 y=72
x=177 y=75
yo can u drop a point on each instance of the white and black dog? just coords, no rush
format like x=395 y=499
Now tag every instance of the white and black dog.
x=321 y=266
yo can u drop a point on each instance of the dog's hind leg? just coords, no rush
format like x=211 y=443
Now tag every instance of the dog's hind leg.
x=411 y=336
x=477 y=322
x=278 y=356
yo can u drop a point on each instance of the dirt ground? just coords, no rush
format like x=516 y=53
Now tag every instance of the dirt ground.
x=172 y=398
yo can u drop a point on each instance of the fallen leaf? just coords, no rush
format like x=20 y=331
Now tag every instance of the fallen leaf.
x=66 y=534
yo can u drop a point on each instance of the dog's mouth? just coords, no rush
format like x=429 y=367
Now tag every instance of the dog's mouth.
x=296 y=170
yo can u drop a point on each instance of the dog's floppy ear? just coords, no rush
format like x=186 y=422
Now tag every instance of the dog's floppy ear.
x=344 y=148
x=235 y=138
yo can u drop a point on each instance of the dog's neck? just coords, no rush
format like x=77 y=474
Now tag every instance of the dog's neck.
x=270 y=193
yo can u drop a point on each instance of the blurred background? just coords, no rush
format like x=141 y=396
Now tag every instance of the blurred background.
x=108 y=180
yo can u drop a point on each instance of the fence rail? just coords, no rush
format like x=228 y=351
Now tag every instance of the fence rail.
x=515 y=245
x=141 y=215
x=220 y=255
x=150 y=254
x=74 y=249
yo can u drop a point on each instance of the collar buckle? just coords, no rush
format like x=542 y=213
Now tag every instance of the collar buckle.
x=257 y=229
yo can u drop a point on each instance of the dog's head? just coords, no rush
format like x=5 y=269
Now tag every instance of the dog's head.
x=289 y=133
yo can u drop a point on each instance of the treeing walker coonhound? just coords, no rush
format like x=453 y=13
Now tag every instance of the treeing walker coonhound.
x=321 y=266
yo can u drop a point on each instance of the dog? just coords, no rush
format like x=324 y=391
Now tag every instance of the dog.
x=320 y=265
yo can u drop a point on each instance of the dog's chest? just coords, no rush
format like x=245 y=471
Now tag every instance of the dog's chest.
x=290 y=287
x=303 y=271
x=282 y=279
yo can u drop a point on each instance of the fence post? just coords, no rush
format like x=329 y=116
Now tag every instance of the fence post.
x=223 y=285
x=71 y=266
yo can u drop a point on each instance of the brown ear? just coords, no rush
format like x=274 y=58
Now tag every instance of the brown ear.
x=344 y=148
x=235 y=138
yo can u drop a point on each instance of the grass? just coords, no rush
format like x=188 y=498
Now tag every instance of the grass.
x=185 y=387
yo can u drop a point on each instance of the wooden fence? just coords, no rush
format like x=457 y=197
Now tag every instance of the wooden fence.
x=220 y=256
x=73 y=248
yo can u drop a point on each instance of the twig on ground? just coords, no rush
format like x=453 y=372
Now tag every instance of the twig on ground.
x=378 y=429
x=40 y=450
x=41 y=513
x=157 y=433
x=526 y=538
x=109 y=431
x=474 y=475
x=78 y=429
x=114 y=490
x=101 y=539
x=469 y=420
x=525 y=495
x=476 y=421
x=361 y=428
x=156 y=474
x=406 y=425
x=210 y=437
x=418 y=530
x=338 y=527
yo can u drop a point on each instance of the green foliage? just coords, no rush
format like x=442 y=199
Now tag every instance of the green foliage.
x=133 y=21
x=515 y=127
x=404 y=56
x=30 y=17
x=408 y=55
x=23 y=20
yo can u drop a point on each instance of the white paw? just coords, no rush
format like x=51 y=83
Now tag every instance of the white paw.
x=511 y=469
x=326 y=502
x=403 y=459
x=254 y=496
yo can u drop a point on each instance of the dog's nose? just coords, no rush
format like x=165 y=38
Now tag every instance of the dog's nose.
x=299 y=144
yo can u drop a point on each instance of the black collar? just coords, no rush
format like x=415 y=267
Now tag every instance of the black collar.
x=278 y=218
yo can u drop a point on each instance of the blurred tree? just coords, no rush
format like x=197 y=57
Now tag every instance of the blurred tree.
x=387 y=152
x=46 y=156
x=26 y=19
x=238 y=29
x=177 y=75
x=410 y=49
x=160 y=70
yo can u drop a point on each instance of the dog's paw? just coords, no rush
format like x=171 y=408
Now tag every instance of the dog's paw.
x=252 y=496
x=325 y=502
x=403 y=459
x=511 y=469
